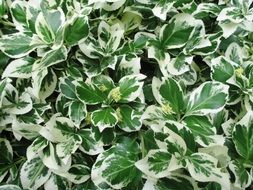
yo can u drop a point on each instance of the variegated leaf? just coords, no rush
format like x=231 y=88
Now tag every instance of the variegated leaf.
x=19 y=68
x=209 y=97
x=203 y=168
x=104 y=118
x=34 y=173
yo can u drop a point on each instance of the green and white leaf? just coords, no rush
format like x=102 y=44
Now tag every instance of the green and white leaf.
x=19 y=45
x=203 y=168
x=22 y=104
x=161 y=10
x=38 y=77
x=162 y=58
x=67 y=87
x=116 y=166
x=222 y=69
x=207 y=8
x=36 y=147
x=19 y=68
x=48 y=23
x=89 y=144
x=235 y=53
x=130 y=87
x=18 y=13
x=104 y=118
x=51 y=160
x=88 y=93
x=220 y=152
x=77 y=29
x=57 y=183
x=34 y=173
x=176 y=181
x=48 y=85
x=204 y=131
x=76 y=174
x=52 y=57
x=209 y=97
x=242 y=176
x=129 y=67
x=129 y=119
x=109 y=37
x=77 y=112
x=58 y=129
x=233 y=14
x=243 y=139
x=65 y=149
x=104 y=83
x=157 y=163
x=179 y=65
x=168 y=92
x=28 y=131
x=6 y=151
x=178 y=31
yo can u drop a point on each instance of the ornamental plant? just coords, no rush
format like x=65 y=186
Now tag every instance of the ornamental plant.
x=126 y=94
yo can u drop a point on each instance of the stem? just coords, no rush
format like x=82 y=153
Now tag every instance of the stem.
x=246 y=165
x=142 y=147
x=7 y=23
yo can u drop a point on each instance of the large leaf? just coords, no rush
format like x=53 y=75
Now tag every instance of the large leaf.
x=242 y=176
x=51 y=58
x=176 y=182
x=203 y=168
x=77 y=29
x=34 y=173
x=156 y=163
x=65 y=149
x=19 y=68
x=28 y=131
x=48 y=23
x=77 y=173
x=89 y=94
x=17 y=105
x=37 y=145
x=52 y=161
x=57 y=183
x=209 y=97
x=58 y=129
x=67 y=87
x=222 y=69
x=243 y=139
x=116 y=166
x=159 y=163
x=178 y=31
x=18 y=13
x=203 y=130
x=18 y=45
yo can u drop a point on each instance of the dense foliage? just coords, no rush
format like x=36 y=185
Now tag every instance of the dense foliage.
x=126 y=94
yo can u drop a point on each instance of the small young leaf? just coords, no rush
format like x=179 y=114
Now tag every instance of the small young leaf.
x=104 y=118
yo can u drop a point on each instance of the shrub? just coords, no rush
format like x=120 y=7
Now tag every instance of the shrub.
x=126 y=94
